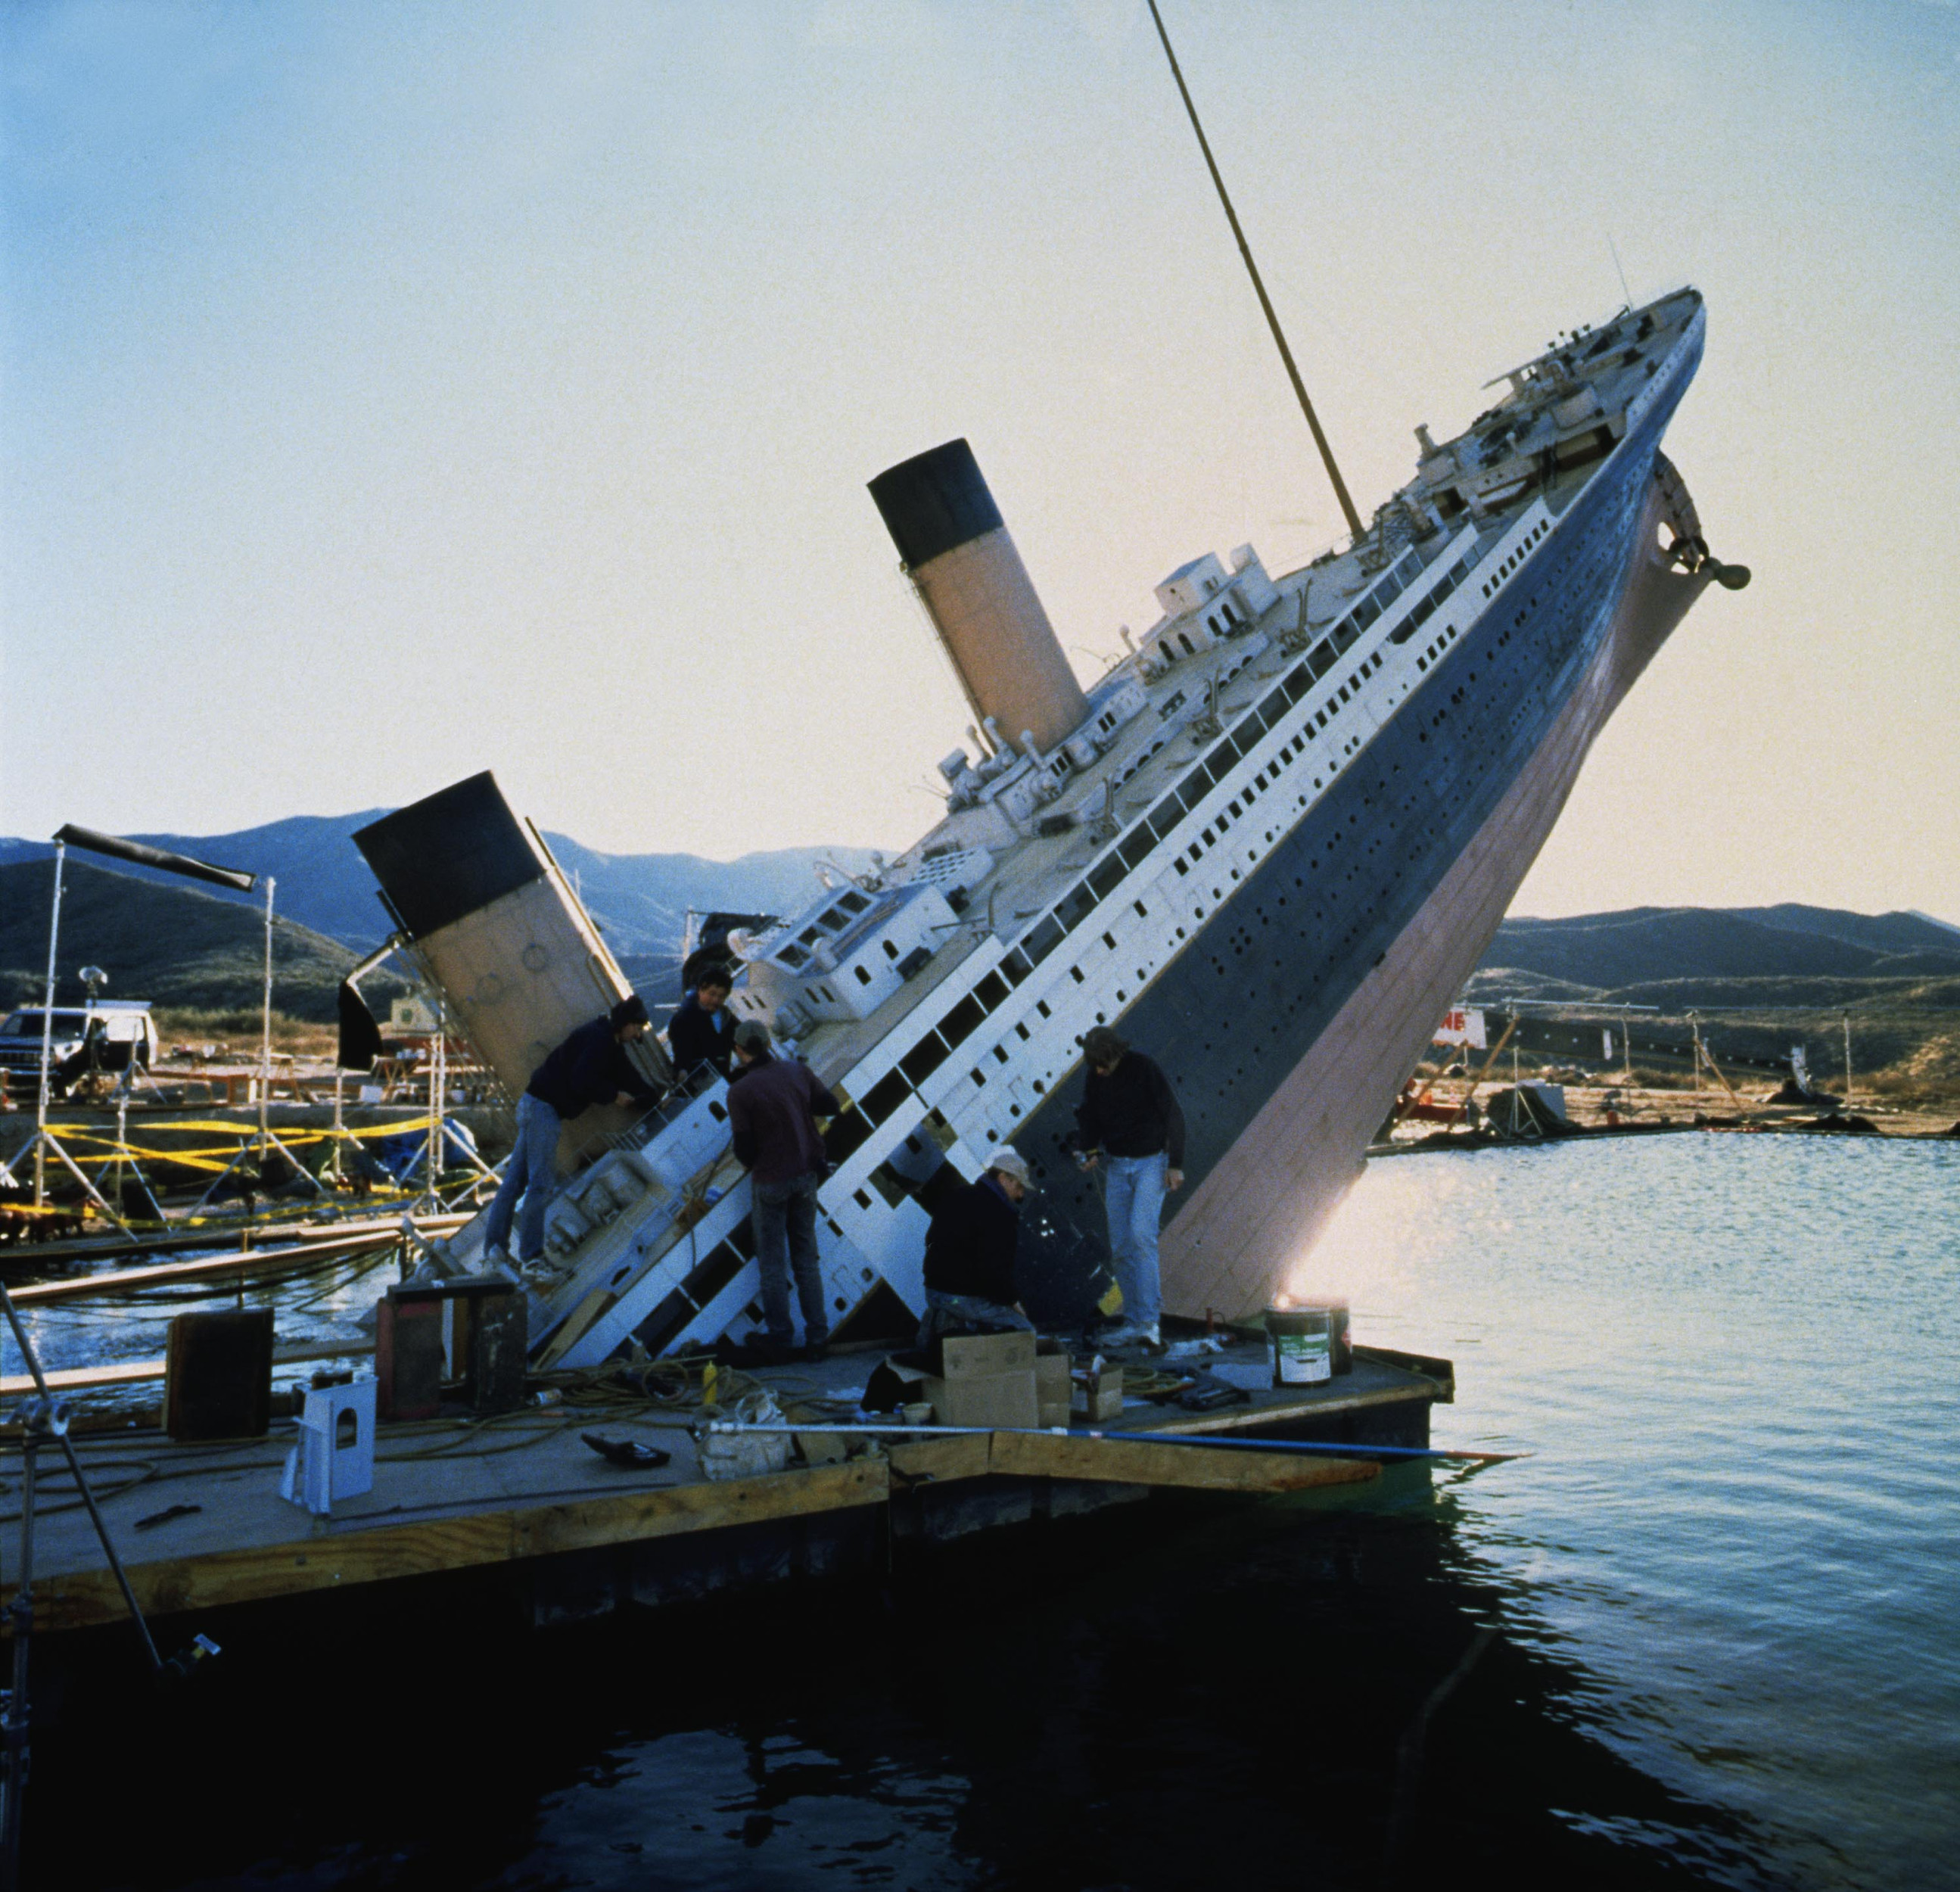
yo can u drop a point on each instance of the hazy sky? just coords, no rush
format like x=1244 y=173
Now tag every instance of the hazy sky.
x=394 y=391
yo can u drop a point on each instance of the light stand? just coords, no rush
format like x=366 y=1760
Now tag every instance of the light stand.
x=45 y=1139
x=264 y=1139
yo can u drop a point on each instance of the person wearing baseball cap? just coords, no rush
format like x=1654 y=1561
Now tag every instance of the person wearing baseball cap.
x=969 y=1254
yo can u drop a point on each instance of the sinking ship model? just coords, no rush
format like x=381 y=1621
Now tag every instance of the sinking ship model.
x=1269 y=846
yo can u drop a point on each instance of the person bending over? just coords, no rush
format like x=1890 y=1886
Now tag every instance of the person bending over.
x=591 y=1067
x=969 y=1254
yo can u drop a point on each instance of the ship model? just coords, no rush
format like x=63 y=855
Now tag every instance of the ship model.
x=1268 y=845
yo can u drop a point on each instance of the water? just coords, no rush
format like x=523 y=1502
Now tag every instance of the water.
x=1723 y=1593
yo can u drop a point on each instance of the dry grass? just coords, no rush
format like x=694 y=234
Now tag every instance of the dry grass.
x=237 y=1032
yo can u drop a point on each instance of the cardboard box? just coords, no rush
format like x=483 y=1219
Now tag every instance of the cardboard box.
x=984 y=1379
x=968 y=1356
x=1098 y=1397
x=1051 y=1384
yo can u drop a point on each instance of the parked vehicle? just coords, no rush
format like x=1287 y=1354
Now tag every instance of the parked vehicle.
x=107 y=1036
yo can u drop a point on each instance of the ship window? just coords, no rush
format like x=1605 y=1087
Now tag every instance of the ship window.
x=1321 y=657
x=1231 y=808
x=1017 y=966
x=852 y=903
x=1139 y=845
x=1104 y=879
x=1320 y=717
x=891 y=950
x=1001 y=1050
x=1042 y=939
x=1298 y=680
x=1020 y=1032
x=979 y=1076
x=1109 y=940
x=1190 y=648
x=863 y=977
x=1343 y=638
x=924 y=1057
x=1422 y=663
x=1367 y=611
x=991 y=990
x=1040 y=1005
x=1422 y=610
x=1075 y=906
x=884 y=1097
x=1075 y=972
x=1275 y=706
x=793 y=956
x=1208 y=838
x=964 y=1018
x=1344 y=692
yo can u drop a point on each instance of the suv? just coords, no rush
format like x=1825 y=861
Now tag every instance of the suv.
x=109 y=1036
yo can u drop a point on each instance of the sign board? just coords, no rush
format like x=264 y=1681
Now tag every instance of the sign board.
x=1463 y=1027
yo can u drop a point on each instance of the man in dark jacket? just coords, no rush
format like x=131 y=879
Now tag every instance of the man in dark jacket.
x=702 y=1031
x=773 y=1106
x=969 y=1254
x=1129 y=1113
x=591 y=1067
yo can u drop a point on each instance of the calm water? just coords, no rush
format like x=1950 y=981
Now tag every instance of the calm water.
x=1723 y=1594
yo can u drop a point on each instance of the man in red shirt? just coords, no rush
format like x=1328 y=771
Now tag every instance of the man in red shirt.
x=773 y=1106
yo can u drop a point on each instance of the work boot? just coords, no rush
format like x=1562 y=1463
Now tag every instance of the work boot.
x=816 y=1352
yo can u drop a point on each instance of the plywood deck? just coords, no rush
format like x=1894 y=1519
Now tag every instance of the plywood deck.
x=450 y=1495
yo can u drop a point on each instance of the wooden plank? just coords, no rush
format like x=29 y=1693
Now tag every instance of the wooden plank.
x=258 y=1260
x=1187 y=1467
x=133 y=1372
x=1239 y=1418
x=941 y=1460
x=376 y=1554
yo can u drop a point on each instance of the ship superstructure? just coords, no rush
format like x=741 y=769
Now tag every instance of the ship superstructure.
x=1269 y=845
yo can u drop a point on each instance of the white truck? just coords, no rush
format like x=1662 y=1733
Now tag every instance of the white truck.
x=105 y=1037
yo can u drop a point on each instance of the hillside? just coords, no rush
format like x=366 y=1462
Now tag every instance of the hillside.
x=167 y=943
x=640 y=901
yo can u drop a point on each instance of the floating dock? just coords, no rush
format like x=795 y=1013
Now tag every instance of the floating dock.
x=202 y=1527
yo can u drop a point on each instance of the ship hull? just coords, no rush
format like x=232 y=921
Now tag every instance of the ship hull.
x=1289 y=1024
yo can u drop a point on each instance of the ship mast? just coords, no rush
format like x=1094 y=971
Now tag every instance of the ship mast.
x=1259 y=288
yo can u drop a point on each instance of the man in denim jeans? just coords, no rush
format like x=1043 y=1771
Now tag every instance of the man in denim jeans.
x=1129 y=1111
x=591 y=1067
x=773 y=1106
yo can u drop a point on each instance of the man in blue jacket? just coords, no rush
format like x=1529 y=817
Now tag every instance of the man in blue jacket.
x=591 y=1067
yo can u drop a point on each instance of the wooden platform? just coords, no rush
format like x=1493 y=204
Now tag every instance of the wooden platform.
x=524 y=1490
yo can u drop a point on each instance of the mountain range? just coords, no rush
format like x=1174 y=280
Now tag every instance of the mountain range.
x=165 y=938
x=640 y=901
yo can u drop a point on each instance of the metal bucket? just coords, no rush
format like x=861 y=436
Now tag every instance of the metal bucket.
x=1299 y=1344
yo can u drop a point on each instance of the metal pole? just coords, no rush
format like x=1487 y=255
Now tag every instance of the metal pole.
x=265 y=1026
x=1847 y=1061
x=1353 y=517
x=21 y=1611
x=48 y=1035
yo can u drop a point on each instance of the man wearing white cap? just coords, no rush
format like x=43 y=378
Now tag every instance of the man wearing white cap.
x=969 y=1254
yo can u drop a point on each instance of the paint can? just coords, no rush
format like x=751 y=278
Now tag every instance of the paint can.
x=1298 y=1346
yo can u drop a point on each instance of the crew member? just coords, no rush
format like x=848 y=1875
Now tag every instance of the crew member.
x=591 y=1067
x=1130 y=1115
x=702 y=1030
x=773 y=1106
x=969 y=1254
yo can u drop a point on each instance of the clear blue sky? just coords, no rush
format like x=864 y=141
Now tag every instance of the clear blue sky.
x=392 y=391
